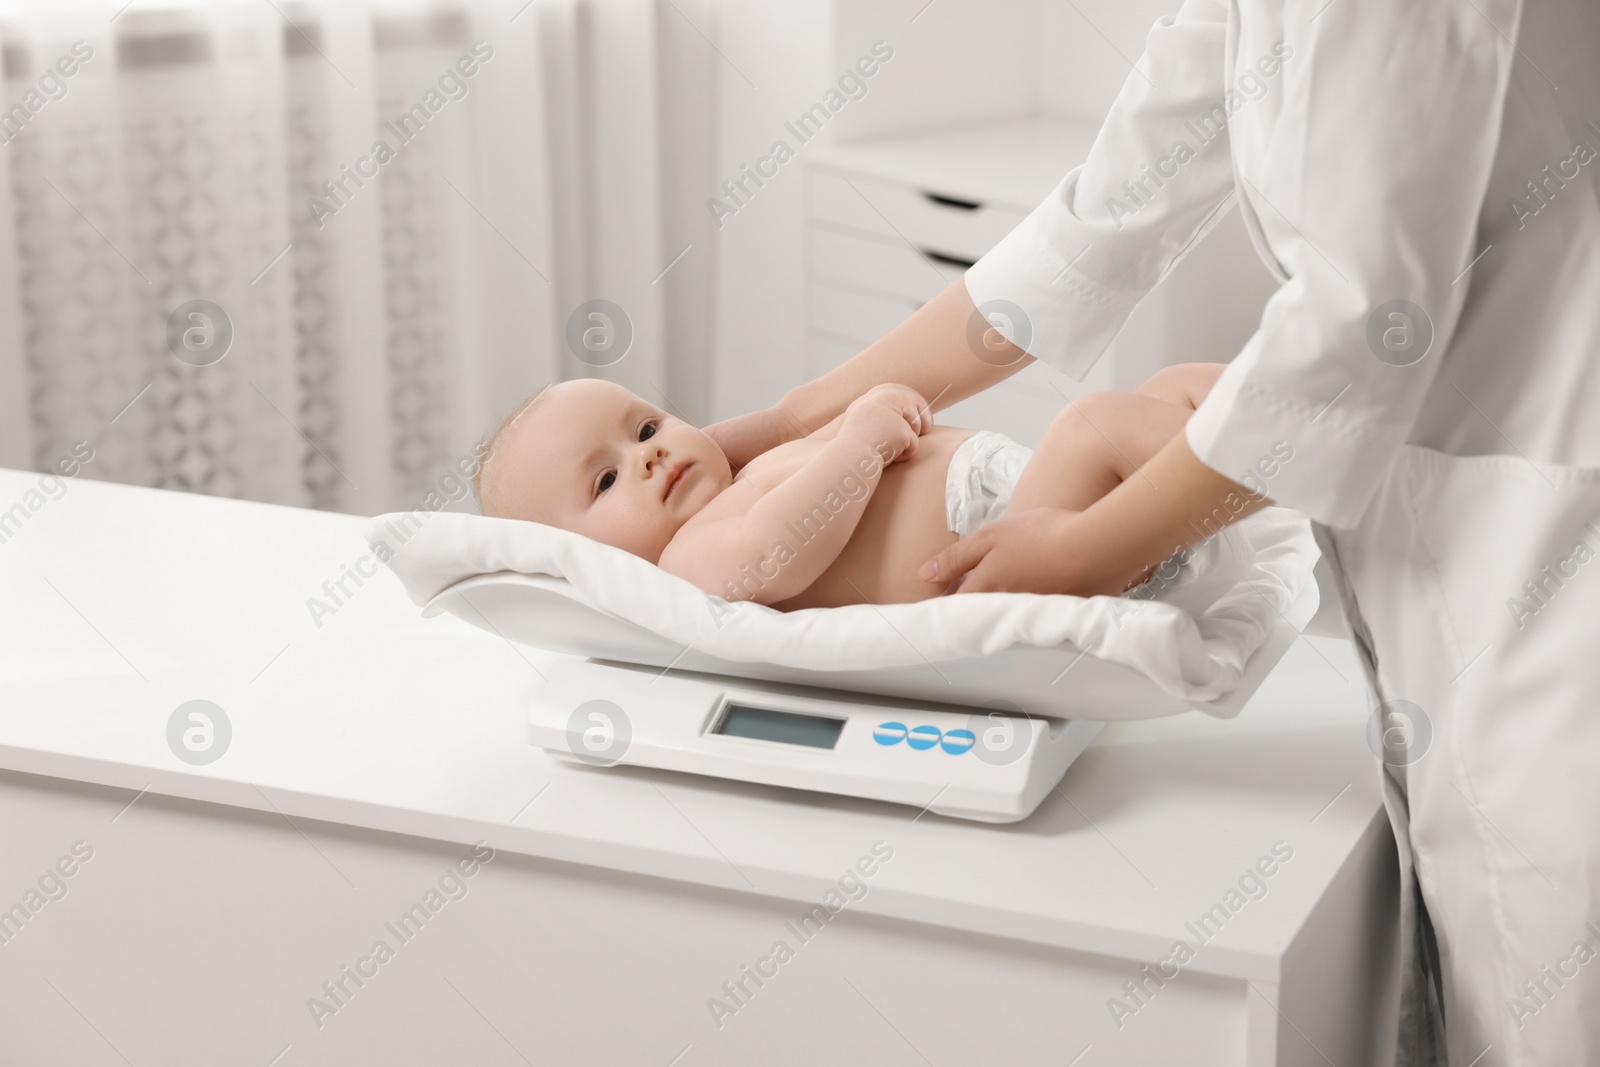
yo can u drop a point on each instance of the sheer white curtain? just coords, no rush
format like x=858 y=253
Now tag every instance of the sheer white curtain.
x=633 y=84
x=386 y=304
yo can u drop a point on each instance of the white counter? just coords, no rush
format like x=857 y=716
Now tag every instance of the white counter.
x=123 y=603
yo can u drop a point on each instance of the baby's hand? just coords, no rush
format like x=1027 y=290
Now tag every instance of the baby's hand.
x=893 y=414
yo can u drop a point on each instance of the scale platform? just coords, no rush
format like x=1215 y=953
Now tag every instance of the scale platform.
x=990 y=764
x=969 y=763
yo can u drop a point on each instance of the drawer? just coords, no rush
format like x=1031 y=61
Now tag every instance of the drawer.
x=852 y=315
x=891 y=268
x=901 y=213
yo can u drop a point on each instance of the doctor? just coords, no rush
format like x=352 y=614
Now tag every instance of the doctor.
x=1421 y=179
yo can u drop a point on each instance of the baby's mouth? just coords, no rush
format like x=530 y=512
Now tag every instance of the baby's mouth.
x=674 y=478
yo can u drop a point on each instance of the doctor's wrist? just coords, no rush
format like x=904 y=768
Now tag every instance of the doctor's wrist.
x=800 y=412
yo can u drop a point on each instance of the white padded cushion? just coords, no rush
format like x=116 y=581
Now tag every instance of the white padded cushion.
x=1192 y=641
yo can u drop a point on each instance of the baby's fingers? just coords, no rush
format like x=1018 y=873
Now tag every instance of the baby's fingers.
x=908 y=448
x=921 y=417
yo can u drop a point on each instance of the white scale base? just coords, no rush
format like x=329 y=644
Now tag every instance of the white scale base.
x=976 y=764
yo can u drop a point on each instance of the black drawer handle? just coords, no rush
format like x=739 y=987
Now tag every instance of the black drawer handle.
x=949 y=261
x=950 y=201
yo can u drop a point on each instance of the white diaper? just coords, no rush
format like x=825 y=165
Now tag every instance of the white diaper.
x=983 y=472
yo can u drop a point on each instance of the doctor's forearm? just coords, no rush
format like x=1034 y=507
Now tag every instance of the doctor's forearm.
x=932 y=351
x=1171 y=502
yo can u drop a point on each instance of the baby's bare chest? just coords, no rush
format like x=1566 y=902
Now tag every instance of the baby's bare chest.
x=922 y=474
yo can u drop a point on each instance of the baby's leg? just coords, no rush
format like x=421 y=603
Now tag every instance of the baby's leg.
x=1185 y=384
x=1095 y=444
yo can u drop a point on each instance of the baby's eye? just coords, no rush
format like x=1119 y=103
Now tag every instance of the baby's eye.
x=647 y=431
x=606 y=481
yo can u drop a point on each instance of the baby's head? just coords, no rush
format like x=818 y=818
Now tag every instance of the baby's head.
x=589 y=456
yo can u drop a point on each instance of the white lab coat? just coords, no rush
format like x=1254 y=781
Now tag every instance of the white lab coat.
x=1420 y=151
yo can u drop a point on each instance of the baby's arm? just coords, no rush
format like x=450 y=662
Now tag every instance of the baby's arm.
x=825 y=498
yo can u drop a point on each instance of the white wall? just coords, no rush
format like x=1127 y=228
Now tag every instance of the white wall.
x=1086 y=49
x=782 y=47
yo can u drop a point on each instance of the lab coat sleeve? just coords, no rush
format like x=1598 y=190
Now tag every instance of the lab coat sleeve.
x=1369 y=188
x=1156 y=180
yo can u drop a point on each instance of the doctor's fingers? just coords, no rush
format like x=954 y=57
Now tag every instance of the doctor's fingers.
x=1001 y=570
x=955 y=561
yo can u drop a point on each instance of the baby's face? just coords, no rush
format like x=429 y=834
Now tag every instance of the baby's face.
x=590 y=457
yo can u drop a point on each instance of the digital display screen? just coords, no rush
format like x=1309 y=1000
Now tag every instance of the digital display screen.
x=785 y=727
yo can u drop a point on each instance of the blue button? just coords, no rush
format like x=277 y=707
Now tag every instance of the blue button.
x=957 y=741
x=889 y=733
x=922 y=738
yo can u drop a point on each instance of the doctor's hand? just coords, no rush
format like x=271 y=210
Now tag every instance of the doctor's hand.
x=1029 y=552
x=744 y=437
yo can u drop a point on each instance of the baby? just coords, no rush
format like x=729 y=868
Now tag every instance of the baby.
x=845 y=515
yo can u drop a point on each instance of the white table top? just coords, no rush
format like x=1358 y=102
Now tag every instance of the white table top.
x=123 y=603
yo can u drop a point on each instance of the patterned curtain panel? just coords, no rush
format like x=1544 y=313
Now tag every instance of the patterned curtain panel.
x=293 y=252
